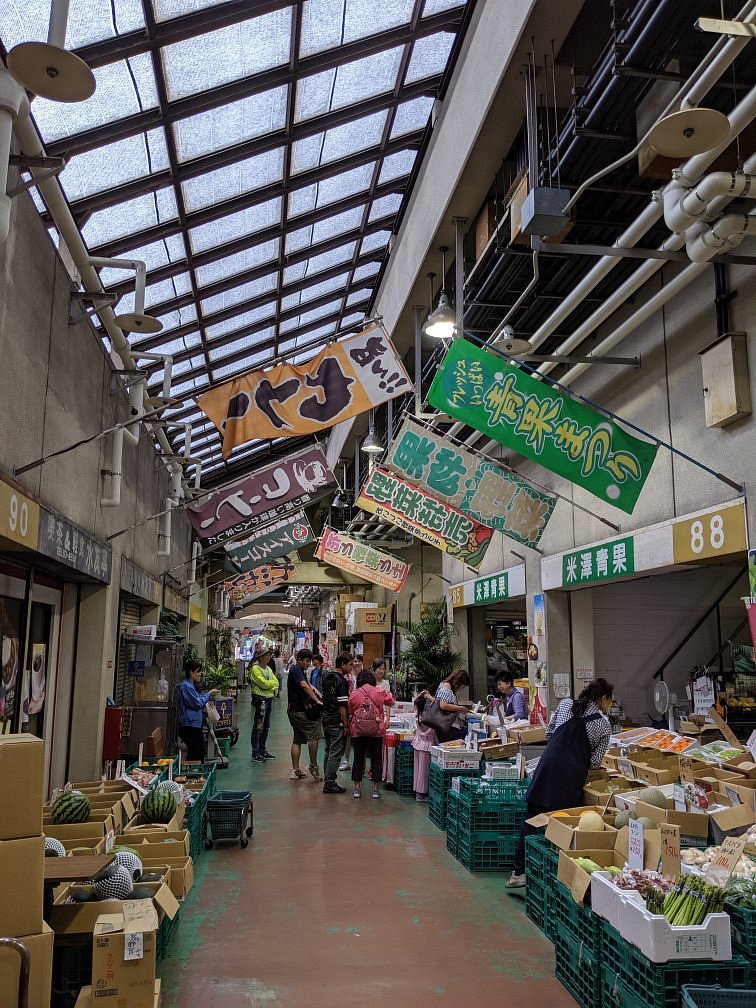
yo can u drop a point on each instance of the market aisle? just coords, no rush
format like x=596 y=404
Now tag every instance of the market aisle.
x=344 y=901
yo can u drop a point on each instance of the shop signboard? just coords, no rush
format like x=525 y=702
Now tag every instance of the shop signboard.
x=248 y=586
x=19 y=517
x=360 y=558
x=281 y=489
x=610 y=560
x=495 y=587
x=175 y=602
x=478 y=488
x=425 y=517
x=225 y=708
x=135 y=669
x=279 y=539
x=545 y=425
x=138 y=582
x=376 y=620
x=345 y=379
x=718 y=532
x=65 y=542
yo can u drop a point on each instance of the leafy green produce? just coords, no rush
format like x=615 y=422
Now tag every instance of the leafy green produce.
x=742 y=893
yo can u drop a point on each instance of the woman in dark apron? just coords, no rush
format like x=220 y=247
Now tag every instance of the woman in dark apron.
x=577 y=740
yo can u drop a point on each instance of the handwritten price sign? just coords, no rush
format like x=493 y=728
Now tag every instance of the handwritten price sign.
x=670 y=854
x=635 y=845
x=722 y=867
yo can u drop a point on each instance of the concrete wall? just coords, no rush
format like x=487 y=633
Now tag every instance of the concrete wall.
x=55 y=390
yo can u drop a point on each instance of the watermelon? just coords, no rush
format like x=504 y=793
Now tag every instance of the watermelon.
x=54 y=848
x=158 y=806
x=70 y=807
x=172 y=788
x=117 y=885
x=129 y=861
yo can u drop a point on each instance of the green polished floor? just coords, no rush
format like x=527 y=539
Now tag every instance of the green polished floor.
x=339 y=900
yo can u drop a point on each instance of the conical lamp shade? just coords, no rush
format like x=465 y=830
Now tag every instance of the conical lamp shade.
x=442 y=323
x=371 y=445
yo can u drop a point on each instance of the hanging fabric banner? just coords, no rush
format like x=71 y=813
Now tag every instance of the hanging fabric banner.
x=343 y=380
x=259 y=581
x=280 y=489
x=543 y=424
x=425 y=517
x=476 y=487
x=270 y=543
x=359 y=558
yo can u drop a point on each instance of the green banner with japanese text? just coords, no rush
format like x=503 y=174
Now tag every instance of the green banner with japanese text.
x=531 y=417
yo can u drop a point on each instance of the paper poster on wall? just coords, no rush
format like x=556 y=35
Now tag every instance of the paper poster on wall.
x=539 y=615
x=561 y=685
x=8 y=676
x=38 y=683
x=539 y=693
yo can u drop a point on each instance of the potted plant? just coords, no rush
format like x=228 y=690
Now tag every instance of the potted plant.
x=429 y=659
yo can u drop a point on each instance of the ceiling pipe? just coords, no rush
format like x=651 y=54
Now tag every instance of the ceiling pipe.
x=683 y=207
x=727 y=233
x=114 y=473
x=14 y=105
x=52 y=194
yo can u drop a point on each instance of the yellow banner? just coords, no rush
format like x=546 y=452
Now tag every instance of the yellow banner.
x=343 y=380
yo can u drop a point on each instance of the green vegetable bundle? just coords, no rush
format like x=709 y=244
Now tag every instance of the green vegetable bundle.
x=742 y=893
x=691 y=901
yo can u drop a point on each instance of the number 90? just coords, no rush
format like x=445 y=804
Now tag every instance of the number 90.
x=18 y=516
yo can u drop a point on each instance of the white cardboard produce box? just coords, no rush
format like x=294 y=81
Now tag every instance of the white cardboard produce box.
x=461 y=759
x=607 y=899
x=660 y=942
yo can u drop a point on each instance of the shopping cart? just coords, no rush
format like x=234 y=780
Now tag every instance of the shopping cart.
x=23 y=969
x=229 y=817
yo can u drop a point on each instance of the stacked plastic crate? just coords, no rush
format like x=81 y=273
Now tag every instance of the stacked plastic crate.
x=440 y=781
x=489 y=817
x=541 y=861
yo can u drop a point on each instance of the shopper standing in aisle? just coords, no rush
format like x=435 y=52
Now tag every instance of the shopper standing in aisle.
x=351 y=679
x=367 y=726
x=305 y=709
x=279 y=668
x=264 y=683
x=447 y=697
x=577 y=740
x=379 y=671
x=424 y=738
x=316 y=671
x=335 y=689
x=191 y=707
x=513 y=702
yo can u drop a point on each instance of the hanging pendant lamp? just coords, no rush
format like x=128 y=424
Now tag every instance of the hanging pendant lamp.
x=442 y=323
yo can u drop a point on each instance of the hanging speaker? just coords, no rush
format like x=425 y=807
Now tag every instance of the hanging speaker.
x=688 y=132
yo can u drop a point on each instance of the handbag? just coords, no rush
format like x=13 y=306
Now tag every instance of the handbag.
x=437 y=719
x=211 y=713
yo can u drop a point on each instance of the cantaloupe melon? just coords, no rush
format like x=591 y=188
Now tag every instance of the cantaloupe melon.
x=652 y=796
x=591 y=822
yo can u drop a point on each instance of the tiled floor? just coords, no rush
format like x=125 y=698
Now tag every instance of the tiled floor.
x=339 y=901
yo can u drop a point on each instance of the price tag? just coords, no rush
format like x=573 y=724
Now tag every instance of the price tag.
x=625 y=767
x=133 y=946
x=679 y=797
x=170 y=770
x=635 y=845
x=722 y=867
x=520 y=764
x=686 y=771
x=140 y=789
x=502 y=733
x=179 y=763
x=120 y=768
x=109 y=841
x=751 y=744
x=733 y=796
x=140 y=757
x=670 y=853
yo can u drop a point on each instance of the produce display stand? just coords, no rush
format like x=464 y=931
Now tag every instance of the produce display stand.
x=230 y=817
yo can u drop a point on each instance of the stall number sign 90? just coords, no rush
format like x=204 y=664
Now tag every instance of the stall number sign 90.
x=18 y=516
x=710 y=534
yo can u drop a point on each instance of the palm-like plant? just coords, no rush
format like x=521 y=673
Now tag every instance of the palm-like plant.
x=429 y=655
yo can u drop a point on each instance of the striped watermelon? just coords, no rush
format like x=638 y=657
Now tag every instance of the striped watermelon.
x=158 y=806
x=70 y=807
x=54 y=848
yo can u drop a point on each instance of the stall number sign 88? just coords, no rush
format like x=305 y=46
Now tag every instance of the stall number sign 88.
x=713 y=534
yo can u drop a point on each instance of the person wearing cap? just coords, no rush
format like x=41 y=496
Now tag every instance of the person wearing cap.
x=264 y=683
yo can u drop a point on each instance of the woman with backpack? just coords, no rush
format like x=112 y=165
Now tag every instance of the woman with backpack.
x=577 y=740
x=367 y=726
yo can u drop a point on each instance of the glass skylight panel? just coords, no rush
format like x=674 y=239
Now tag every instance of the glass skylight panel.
x=346 y=85
x=87 y=22
x=154 y=255
x=385 y=206
x=429 y=56
x=226 y=229
x=397 y=166
x=174 y=346
x=178 y=317
x=322 y=21
x=370 y=243
x=243 y=321
x=187 y=388
x=336 y=143
x=229 y=266
x=106 y=168
x=411 y=115
x=115 y=98
x=358 y=296
x=313 y=315
x=238 y=295
x=230 y=124
x=245 y=343
x=316 y=291
x=165 y=10
x=229 y=370
x=157 y=294
x=318 y=263
x=233 y=180
x=336 y=225
x=131 y=217
x=439 y=6
x=363 y=272
x=227 y=54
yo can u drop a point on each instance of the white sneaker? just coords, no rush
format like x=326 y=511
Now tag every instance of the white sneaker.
x=344 y=765
x=516 y=881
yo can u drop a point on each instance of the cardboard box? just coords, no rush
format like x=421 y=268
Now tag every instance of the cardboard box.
x=655 y=768
x=85 y=999
x=562 y=829
x=181 y=872
x=98 y=824
x=494 y=749
x=178 y=845
x=40 y=949
x=578 y=881
x=139 y=823
x=81 y=918
x=21 y=886
x=527 y=736
x=117 y=978
x=692 y=824
x=85 y=846
x=462 y=759
x=745 y=789
x=730 y=822
x=485 y=226
x=22 y=759
x=596 y=792
x=120 y=808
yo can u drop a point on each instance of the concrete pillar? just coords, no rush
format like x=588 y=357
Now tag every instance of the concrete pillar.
x=93 y=680
x=555 y=648
x=583 y=663
x=477 y=638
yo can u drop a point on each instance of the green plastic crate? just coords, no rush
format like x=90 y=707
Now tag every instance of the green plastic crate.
x=72 y=965
x=165 y=933
x=487 y=851
x=716 y=997
x=577 y=922
x=440 y=782
x=537 y=903
x=630 y=980
x=577 y=969
x=505 y=819
x=539 y=889
x=491 y=795
x=743 y=924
